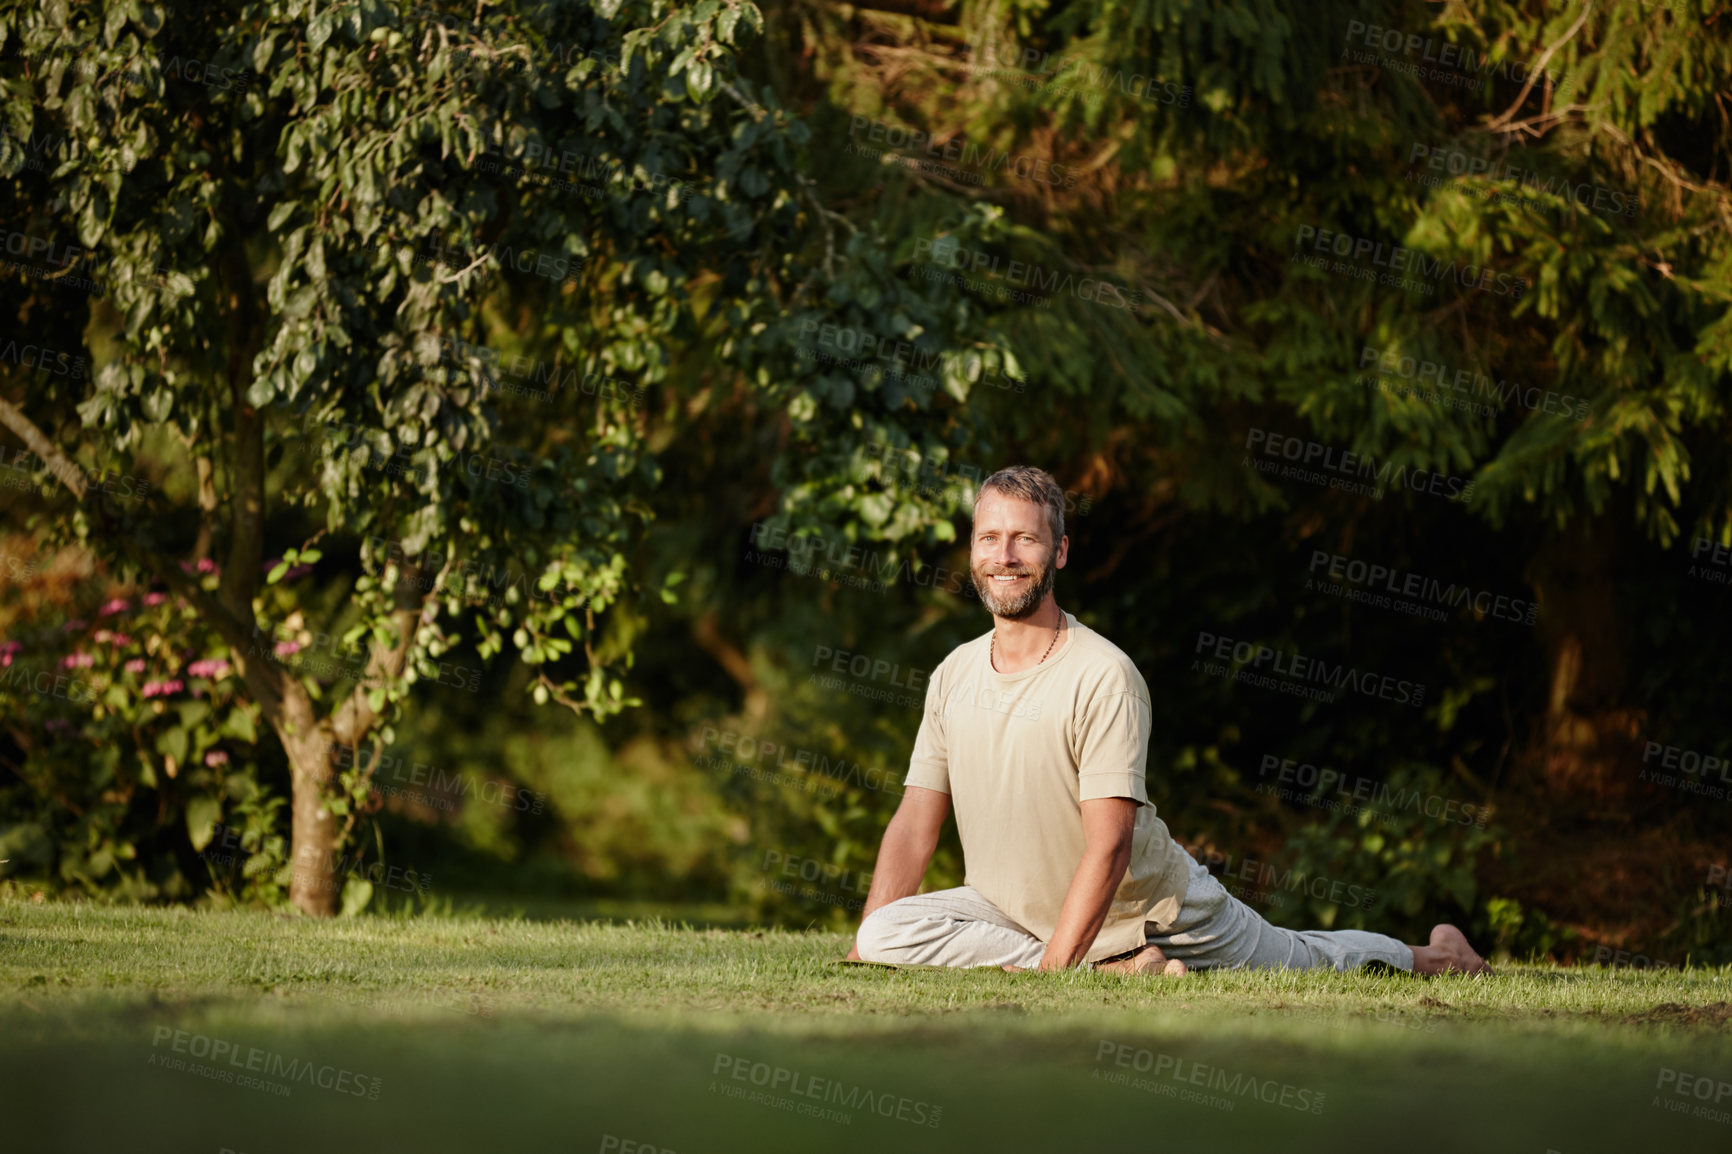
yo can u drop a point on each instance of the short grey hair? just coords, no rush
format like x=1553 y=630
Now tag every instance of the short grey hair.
x=1027 y=483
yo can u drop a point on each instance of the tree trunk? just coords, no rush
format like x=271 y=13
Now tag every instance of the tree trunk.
x=317 y=751
x=1589 y=746
x=315 y=882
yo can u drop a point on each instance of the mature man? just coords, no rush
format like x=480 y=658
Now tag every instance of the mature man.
x=1038 y=734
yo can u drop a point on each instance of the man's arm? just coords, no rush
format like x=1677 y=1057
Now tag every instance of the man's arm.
x=1108 y=825
x=907 y=848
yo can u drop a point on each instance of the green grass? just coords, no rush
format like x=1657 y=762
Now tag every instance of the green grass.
x=526 y=1036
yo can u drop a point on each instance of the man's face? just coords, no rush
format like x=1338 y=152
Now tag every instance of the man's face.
x=1013 y=558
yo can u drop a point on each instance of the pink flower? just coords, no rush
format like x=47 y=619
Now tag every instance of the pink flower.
x=118 y=605
x=206 y=565
x=111 y=637
x=76 y=661
x=163 y=688
x=215 y=758
x=7 y=649
x=155 y=599
x=56 y=724
x=136 y=665
x=75 y=623
x=287 y=648
x=295 y=571
x=209 y=667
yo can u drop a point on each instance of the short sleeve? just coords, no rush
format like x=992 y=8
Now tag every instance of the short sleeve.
x=929 y=765
x=1114 y=748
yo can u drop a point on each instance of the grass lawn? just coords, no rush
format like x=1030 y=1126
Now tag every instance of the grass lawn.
x=138 y=1030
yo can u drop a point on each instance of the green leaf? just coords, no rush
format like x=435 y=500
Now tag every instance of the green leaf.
x=698 y=77
x=319 y=30
x=279 y=214
x=357 y=892
x=172 y=743
x=239 y=724
x=202 y=814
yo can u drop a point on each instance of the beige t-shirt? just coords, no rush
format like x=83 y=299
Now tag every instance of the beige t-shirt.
x=1018 y=753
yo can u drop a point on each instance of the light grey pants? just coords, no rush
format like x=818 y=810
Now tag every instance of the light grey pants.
x=1214 y=930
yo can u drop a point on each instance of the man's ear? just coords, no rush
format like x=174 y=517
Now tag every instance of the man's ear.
x=1063 y=553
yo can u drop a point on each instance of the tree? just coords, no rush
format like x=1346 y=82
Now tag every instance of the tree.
x=305 y=222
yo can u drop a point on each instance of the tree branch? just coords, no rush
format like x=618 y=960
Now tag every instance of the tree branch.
x=69 y=473
x=706 y=631
x=355 y=717
x=1539 y=68
x=938 y=12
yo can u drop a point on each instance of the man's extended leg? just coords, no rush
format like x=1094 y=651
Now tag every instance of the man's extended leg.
x=1215 y=930
x=955 y=927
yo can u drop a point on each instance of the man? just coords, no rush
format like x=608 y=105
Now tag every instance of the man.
x=1038 y=734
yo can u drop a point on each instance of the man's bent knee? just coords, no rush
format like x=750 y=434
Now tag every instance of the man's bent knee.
x=875 y=939
x=880 y=936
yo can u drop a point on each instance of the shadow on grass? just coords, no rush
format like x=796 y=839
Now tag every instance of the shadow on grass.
x=197 y=1074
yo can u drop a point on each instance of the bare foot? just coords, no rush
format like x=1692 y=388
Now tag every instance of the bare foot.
x=1148 y=960
x=1448 y=953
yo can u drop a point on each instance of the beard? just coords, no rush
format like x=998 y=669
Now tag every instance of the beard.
x=1013 y=606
